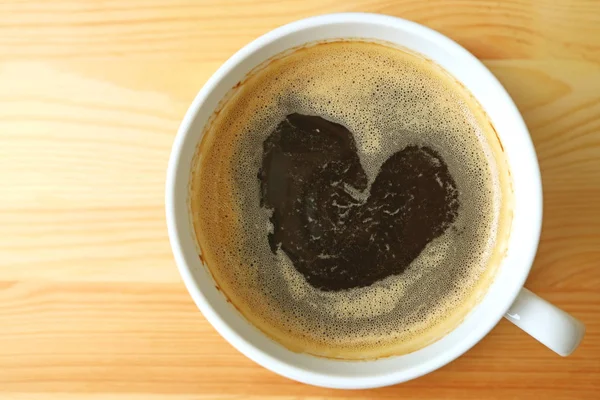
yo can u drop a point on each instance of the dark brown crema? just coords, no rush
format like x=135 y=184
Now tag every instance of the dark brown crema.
x=336 y=232
x=351 y=200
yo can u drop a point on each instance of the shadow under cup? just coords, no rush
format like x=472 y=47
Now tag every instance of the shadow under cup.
x=511 y=274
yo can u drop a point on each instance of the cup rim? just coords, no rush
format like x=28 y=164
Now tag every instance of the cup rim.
x=231 y=335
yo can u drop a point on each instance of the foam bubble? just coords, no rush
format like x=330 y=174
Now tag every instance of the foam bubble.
x=389 y=99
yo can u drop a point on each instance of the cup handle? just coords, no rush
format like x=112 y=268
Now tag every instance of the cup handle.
x=556 y=329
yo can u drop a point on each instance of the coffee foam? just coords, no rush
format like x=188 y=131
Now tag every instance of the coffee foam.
x=389 y=98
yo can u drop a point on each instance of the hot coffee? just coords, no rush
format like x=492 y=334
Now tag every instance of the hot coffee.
x=351 y=200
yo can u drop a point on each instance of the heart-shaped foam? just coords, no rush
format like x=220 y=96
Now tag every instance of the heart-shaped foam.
x=338 y=233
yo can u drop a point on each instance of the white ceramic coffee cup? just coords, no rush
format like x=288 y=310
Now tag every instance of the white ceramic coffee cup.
x=505 y=297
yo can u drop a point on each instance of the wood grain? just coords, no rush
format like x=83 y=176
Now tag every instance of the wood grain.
x=91 y=94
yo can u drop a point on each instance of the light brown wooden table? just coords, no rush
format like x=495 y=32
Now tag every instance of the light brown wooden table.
x=91 y=94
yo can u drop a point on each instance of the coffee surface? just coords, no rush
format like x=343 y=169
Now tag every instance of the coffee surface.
x=351 y=200
x=337 y=233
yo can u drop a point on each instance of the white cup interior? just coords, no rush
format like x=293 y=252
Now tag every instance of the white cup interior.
x=524 y=233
